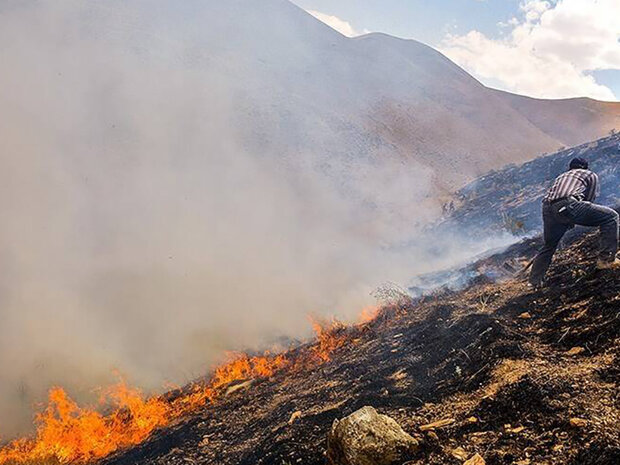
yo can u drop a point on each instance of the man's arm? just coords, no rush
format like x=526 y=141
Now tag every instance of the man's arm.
x=594 y=189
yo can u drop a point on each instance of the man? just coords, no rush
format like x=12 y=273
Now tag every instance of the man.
x=567 y=203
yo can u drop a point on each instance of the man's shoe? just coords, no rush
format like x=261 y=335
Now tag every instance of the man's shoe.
x=608 y=264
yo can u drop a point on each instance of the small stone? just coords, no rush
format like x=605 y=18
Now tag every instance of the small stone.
x=475 y=460
x=576 y=351
x=295 y=416
x=472 y=420
x=578 y=422
x=437 y=424
x=517 y=430
x=459 y=453
x=525 y=316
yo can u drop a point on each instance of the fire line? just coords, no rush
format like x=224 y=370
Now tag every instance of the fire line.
x=73 y=434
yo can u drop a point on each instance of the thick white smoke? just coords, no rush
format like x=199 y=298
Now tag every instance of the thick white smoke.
x=142 y=230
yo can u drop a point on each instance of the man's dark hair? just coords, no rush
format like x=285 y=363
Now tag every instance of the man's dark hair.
x=578 y=164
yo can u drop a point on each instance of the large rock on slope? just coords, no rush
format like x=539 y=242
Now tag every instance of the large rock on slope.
x=368 y=438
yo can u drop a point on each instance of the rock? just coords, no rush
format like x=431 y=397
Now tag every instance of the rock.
x=578 y=422
x=437 y=424
x=576 y=351
x=525 y=316
x=367 y=438
x=295 y=416
x=475 y=460
x=459 y=453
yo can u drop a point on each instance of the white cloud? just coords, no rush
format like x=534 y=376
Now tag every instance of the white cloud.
x=534 y=9
x=549 y=51
x=511 y=22
x=342 y=26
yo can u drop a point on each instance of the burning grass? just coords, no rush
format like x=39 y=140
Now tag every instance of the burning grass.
x=68 y=433
x=455 y=355
x=509 y=385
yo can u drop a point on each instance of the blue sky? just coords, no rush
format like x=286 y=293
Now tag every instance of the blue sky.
x=542 y=48
x=424 y=20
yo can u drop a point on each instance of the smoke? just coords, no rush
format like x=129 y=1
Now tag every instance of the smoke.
x=145 y=227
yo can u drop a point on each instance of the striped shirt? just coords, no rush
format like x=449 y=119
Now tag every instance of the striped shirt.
x=580 y=184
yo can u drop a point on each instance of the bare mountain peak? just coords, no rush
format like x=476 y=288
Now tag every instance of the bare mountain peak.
x=305 y=88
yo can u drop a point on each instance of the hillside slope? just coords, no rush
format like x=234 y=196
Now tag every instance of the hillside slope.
x=379 y=96
x=184 y=149
x=298 y=91
x=509 y=366
x=573 y=121
x=509 y=199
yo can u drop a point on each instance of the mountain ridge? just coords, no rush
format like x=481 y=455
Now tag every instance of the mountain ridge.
x=300 y=92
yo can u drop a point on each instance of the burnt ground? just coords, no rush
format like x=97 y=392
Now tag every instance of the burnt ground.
x=509 y=199
x=495 y=358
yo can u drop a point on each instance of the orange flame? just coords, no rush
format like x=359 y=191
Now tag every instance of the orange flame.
x=243 y=367
x=369 y=314
x=72 y=434
x=330 y=336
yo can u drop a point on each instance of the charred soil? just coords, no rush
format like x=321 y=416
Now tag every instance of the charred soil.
x=522 y=376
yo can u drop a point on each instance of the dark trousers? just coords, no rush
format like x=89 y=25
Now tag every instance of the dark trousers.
x=560 y=216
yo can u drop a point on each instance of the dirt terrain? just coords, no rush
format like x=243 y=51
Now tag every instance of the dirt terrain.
x=519 y=376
